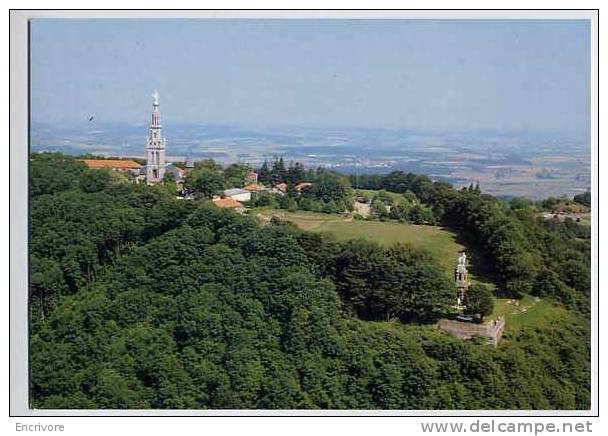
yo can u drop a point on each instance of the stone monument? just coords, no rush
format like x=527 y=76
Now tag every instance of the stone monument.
x=461 y=276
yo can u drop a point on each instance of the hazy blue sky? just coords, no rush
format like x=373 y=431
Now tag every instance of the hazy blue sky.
x=427 y=75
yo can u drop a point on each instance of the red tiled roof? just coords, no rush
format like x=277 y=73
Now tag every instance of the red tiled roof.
x=112 y=163
x=227 y=203
x=254 y=187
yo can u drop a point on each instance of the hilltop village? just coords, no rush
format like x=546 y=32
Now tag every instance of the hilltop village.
x=157 y=170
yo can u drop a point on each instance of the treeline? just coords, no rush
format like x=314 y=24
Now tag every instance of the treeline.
x=312 y=190
x=397 y=282
x=328 y=192
x=580 y=203
x=564 y=248
x=584 y=199
x=405 y=208
x=331 y=192
x=207 y=178
x=277 y=172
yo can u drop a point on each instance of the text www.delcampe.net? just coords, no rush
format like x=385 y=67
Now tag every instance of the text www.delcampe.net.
x=493 y=426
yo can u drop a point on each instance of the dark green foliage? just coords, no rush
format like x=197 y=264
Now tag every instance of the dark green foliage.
x=397 y=181
x=168 y=178
x=295 y=173
x=379 y=210
x=47 y=284
x=276 y=172
x=53 y=172
x=236 y=174
x=330 y=193
x=287 y=202
x=205 y=182
x=566 y=262
x=549 y=284
x=515 y=261
x=95 y=180
x=265 y=199
x=309 y=204
x=396 y=282
x=479 y=300
x=584 y=199
x=329 y=186
x=407 y=209
x=75 y=233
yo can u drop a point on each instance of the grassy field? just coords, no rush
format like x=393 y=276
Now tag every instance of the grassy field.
x=439 y=241
x=527 y=311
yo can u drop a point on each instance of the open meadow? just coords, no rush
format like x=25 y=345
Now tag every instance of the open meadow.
x=437 y=240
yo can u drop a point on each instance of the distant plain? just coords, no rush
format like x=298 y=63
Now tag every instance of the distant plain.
x=533 y=165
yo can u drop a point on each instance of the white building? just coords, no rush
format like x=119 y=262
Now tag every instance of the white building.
x=238 y=194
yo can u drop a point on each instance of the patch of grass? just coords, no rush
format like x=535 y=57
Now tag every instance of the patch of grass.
x=304 y=220
x=437 y=240
x=529 y=311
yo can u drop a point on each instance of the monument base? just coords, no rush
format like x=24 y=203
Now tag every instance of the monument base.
x=492 y=330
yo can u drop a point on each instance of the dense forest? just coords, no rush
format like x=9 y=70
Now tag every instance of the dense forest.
x=142 y=300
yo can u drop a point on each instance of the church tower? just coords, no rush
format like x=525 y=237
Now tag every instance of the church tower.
x=155 y=151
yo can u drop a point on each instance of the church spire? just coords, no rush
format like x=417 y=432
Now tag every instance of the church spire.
x=155 y=151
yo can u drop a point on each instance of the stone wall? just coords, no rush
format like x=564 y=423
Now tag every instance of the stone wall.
x=492 y=330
